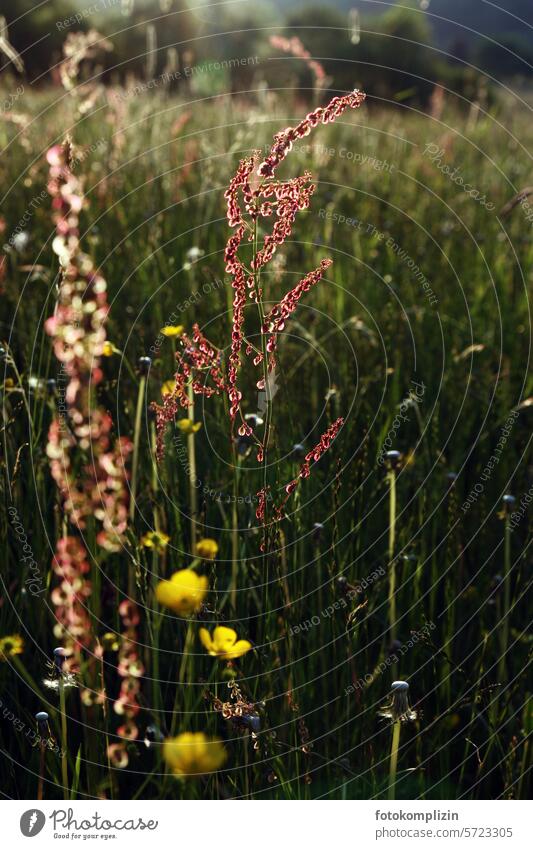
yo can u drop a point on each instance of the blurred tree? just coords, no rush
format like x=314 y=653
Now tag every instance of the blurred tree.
x=36 y=32
x=243 y=43
x=142 y=40
x=511 y=56
x=407 y=43
x=392 y=52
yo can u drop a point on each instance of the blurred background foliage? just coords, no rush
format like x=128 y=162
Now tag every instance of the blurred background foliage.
x=399 y=51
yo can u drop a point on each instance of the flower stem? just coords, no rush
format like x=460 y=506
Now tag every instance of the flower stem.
x=64 y=741
x=42 y=750
x=506 y=596
x=392 y=568
x=394 y=758
x=191 y=452
x=136 y=442
x=235 y=532
x=185 y=658
x=268 y=422
x=268 y=400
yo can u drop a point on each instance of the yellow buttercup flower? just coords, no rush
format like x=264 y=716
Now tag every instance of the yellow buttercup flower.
x=109 y=349
x=168 y=387
x=187 y=426
x=193 y=754
x=172 y=330
x=206 y=548
x=10 y=646
x=155 y=539
x=184 y=593
x=224 y=643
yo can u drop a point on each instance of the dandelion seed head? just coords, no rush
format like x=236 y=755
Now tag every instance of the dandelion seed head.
x=66 y=679
x=398 y=709
x=20 y=241
x=192 y=256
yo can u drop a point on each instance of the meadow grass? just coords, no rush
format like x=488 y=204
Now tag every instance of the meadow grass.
x=358 y=346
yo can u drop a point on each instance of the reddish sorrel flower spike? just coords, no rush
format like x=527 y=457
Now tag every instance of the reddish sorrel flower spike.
x=290 y=197
x=89 y=470
x=130 y=669
x=69 y=598
x=236 y=269
x=280 y=200
x=315 y=454
x=295 y=47
x=199 y=364
x=261 y=504
x=283 y=140
x=278 y=315
x=240 y=181
x=305 y=470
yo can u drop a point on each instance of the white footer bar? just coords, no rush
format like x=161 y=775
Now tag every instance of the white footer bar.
x=268 y=824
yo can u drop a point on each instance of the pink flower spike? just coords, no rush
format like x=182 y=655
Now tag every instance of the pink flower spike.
x=283 y=140
x=55 y=155
x=278 y=315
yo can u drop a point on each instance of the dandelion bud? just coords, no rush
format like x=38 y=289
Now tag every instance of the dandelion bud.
x=59 y=657
x=251 y=721
x=42 y=723
x=508 y=501
x=153 y=735
x=393 y=458
x=253 y=420
x=318 y=528
x=496 y=585
x=394 y=647
x=243 y=446
x=144 y=365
